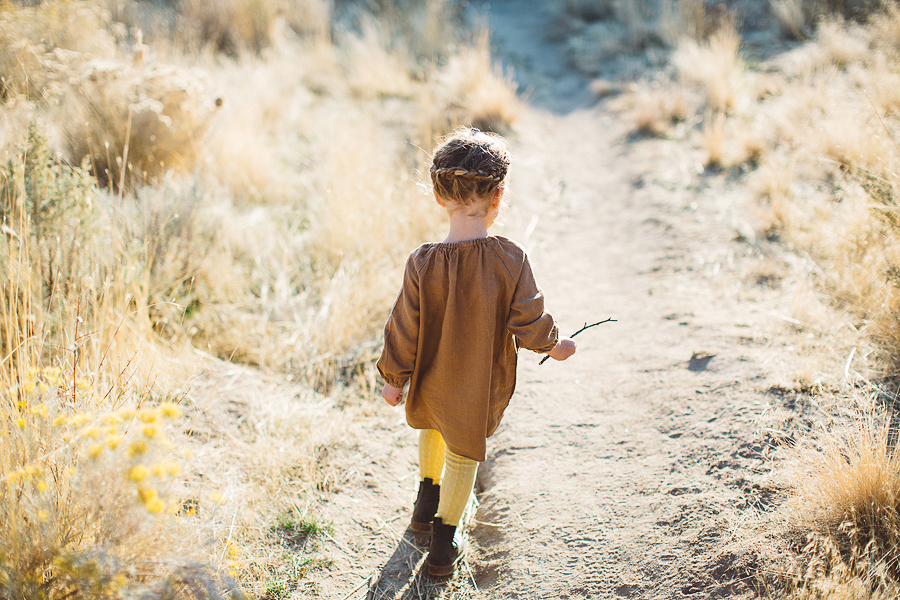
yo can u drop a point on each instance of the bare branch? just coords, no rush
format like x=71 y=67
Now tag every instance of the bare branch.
x=586 y=326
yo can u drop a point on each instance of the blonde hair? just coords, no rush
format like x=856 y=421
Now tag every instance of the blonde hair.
x=468 y=168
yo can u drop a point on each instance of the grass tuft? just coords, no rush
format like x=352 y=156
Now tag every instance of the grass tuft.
x=848 y=497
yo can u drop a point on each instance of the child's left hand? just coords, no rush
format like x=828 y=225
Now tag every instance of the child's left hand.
x=392 y=395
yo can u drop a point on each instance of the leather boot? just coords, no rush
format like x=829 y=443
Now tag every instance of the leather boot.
x=426 y=505
x=446 y=550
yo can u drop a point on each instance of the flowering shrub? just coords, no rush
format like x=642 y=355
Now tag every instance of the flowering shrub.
x=84 y=497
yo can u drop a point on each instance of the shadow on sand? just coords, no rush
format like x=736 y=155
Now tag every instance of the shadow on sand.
x=405 y=575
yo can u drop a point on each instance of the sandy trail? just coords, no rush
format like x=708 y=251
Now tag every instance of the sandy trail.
x=629 y=471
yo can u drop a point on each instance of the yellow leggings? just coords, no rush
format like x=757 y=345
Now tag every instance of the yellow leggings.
x=458 y=475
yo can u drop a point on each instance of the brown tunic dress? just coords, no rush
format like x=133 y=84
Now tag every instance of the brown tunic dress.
x=453 y=335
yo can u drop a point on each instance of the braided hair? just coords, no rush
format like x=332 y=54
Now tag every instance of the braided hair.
x=469 y=167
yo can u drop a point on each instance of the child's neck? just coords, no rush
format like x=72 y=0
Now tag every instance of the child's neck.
x=465 y=227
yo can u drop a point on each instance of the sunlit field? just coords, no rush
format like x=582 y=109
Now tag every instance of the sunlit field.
x=205 y=210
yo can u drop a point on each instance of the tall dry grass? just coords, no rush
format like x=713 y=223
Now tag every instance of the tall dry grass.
x=847 y=500
x=203 y=205
x=87 y=459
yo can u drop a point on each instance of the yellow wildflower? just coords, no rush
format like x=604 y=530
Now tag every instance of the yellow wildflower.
x=80 y=420
x=42 y=515
x=60 y=421
x=148 y=416
x=151 y=501
x=138 y=473
x=53 y=375
x=166 y=469
x=119 y=582
x=137 y=448
x=21 y=423
x=94 y=450
x=150 y=431
x=113 y=440
x=170 y=410
x=92 y=433
x=42 y=486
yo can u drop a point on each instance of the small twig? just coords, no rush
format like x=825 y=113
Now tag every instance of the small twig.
x=586 y=326
x=357 y=588
x=340 y=545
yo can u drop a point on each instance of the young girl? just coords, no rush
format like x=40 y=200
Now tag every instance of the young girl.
x=465 y=307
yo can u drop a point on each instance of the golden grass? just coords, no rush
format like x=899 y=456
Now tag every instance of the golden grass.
x=715 y=65
x=658 y=110
x=714 y=139
x=173 y=213
x=848 y=497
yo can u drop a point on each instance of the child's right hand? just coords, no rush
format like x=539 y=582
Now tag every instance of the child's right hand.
x=563 y=349
x=392 y=395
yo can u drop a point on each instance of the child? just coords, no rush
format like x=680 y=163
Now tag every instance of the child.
x=465 y=307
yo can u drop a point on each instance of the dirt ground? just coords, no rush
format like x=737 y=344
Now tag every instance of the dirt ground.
x=639 y=467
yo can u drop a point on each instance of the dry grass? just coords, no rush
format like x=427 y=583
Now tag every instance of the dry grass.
x=714 y=64
x=238 y=186
x=714 y=139
x=88 y=459
x=658 y=110
x=848 y=498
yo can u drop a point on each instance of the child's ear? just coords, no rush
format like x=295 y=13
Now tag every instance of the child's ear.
x=440 y=202
x=498 y=195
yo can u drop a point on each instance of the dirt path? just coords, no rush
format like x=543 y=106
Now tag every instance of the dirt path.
x=630 y=471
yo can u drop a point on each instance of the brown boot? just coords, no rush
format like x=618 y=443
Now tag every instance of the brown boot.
x=426 y=505
x=446 y=550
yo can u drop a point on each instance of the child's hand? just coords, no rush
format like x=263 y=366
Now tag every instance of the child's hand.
x=563 y=349
x=392 y=395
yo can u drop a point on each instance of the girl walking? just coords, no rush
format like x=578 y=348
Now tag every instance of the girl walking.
x=466 y=305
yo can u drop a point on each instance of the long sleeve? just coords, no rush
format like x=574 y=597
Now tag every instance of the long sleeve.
x=401 y=333
x=534 y=328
